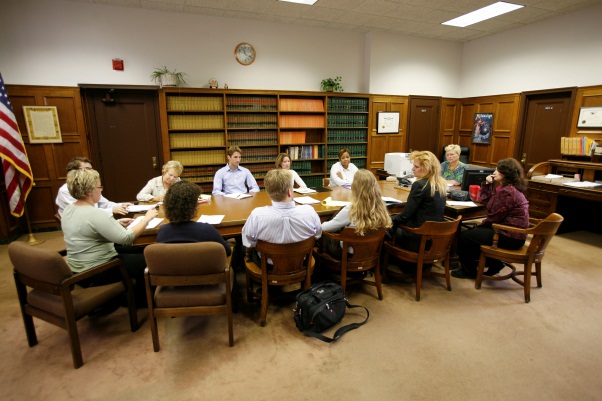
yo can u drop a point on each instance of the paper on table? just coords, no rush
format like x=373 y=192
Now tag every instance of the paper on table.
x=391 y=200
x=152 y=224
x=238 y=196
x=211 y=218
x=205 y=197
x=583 y=184
x=461 y=203
x=329 y=202
x=304 y=190
x=305 y=200
x=140 y=208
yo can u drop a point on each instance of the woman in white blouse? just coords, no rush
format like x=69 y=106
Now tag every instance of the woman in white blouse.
x=155 y=189
x=342 y=172
x=283 y=161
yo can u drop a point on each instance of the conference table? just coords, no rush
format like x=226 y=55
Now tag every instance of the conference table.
x=236 y=211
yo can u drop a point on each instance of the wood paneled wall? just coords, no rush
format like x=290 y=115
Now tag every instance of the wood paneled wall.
x=379 y=144
x=48 y=161
x=590 y=96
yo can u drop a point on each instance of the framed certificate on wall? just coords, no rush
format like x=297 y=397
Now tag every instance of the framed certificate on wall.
x=388 y=122
x=42 y=124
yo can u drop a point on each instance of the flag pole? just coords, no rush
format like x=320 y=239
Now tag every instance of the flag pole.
x=31 y=240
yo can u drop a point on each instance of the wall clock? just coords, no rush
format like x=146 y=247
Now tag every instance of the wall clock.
x=245 y=53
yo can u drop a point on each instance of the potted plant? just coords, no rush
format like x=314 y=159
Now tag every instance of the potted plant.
x=331 y=85
x=165 y=77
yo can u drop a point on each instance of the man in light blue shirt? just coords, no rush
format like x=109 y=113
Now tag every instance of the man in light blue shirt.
x=234 y=179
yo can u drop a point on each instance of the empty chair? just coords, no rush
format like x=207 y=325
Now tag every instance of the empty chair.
x=539 y=234
x=291 y=264
x=188 y=280
x=365 y=257
x=54 y=295
x=435 y=245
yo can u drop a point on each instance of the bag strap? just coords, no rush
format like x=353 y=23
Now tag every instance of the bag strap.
x=341 y=330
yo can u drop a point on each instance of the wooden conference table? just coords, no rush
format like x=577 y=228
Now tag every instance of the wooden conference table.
x=236 y=211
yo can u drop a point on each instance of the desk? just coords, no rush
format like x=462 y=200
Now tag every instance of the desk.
x=236 y=211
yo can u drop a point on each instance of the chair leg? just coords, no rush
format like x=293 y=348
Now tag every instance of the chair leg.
x=385 y=266
x=344 y=279
x=538 y=274
x=418 y=280
x=76 y=351
x=30 y=328
x=230 y=328
x=480 y=268
x=377 y=281
x=447 y=274
x=264 y=303
x=527 y=284
x=249 y=282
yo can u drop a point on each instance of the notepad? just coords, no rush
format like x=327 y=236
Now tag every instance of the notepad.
x=461 y=203
x=305 y=200
x=140 y=208
x=211 y=218
x=388 y=199
x=152 y=224
x=304 y=190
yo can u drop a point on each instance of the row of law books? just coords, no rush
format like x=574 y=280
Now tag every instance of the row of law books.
x=261 y=153
x=196 y=157
x=305 y=152
x=359 y=162
x=302 y=167
x=252 y=120
x=294 y=104
x=302 y=121
x=347 y=120
x=577 y=145
x=196 y=139
x=191 y=121
x=346 y=104
x=241 y=138
x=195 y=103
x=199 y=173
x=251 y=103
x=346 y=135
x=356 y=150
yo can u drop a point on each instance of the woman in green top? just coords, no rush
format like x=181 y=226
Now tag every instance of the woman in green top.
x=453 y=169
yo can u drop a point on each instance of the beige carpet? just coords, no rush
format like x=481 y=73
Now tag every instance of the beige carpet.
x=459 y=345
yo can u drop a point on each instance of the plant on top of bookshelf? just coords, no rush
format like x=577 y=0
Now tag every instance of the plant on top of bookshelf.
x=331 y=85
x=166 y=77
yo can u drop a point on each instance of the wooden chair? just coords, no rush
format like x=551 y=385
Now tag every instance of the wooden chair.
x=539 y=234
x=435 y=245
x=325 y=182
x=291 y=264
x=365 y=257
x=54 y=296
x=191 y=279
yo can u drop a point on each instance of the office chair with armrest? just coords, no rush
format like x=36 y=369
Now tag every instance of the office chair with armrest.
x=435 y=245
x=189 y=279
x=291 y=264
x=365 y=257
x=539 y=235
x=464 y=154
x=55 y=296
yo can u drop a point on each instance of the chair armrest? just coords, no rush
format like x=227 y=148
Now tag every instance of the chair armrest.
x=228 y=263
x=76 y=278
x=498 y=227
x=329 y=234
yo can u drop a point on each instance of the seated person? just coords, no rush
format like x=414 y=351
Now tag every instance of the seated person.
x=503 y=192
x=233 y=178
x=156 y=188
x=181 y=204
x=367 y=211
x=283 y=222
x=64 y=198
x=426 y=202
x=91 y=235
x=453 y=169
x=341 y=173
x=283 y=161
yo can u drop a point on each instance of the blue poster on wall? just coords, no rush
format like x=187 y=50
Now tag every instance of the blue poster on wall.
x=481 y=130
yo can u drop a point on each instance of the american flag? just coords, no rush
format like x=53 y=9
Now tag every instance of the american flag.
x=14 y=159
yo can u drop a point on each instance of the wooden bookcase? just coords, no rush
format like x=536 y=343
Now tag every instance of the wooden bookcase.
x=198 y=126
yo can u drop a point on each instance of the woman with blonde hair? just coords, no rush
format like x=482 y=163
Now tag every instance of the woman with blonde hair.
x=367 y=211
x=283 y=161
x=155 y=189
x=452 y=169
x=426 y=201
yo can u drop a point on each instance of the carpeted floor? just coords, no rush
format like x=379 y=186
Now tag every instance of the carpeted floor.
x=459 y=345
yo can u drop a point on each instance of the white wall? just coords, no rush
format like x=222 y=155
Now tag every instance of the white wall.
x=555 y=53
x=64 y=43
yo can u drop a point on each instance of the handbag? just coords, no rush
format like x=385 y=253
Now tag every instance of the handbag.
x=322 y=306
x=458 y=195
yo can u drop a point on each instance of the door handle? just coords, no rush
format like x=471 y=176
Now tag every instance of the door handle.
x=155 y=164
x=524 y=159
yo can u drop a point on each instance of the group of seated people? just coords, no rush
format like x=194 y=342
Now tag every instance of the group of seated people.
x=93 y=236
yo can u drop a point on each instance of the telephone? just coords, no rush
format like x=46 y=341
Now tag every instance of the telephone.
x=405 y=181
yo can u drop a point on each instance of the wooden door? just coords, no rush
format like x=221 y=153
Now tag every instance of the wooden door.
x=423 y=124
x=547 y=117
x=126 y=139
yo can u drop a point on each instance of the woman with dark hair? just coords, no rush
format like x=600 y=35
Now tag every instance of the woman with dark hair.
x=181 y=203
x=342 y=172
x=506 y=204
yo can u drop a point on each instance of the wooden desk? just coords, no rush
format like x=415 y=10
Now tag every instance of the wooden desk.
x=236 y=211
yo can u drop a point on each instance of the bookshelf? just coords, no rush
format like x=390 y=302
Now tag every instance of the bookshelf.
x=198 y=125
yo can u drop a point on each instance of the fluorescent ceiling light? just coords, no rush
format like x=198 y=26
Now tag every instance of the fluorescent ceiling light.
x=483 y=14
x=308 y=2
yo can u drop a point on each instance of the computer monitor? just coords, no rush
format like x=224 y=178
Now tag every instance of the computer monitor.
x=398 y=164
x=475 y=176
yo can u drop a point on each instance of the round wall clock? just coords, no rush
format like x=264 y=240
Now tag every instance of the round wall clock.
x=245 y=53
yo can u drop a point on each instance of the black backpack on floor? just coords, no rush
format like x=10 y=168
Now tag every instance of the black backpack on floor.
x=322 y=306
